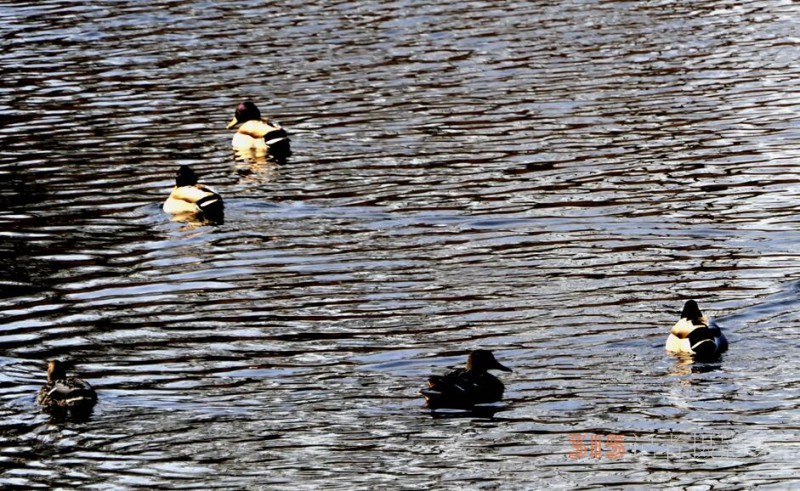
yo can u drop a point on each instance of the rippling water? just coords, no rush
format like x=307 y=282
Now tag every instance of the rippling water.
x=549 y=180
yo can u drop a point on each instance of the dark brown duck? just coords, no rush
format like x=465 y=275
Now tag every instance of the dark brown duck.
x=65 y=394
x=464 y=387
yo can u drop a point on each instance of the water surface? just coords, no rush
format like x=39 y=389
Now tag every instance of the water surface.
x=549 y=180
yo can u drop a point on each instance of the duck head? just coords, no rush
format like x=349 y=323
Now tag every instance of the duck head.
x=56 y=371
x=245 y=112
x=483 y=360
x=691 y=311
x=185 y=176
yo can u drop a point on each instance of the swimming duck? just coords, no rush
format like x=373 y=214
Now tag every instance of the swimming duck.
x=62 y=393
x=258 y=134
x=465 y=387
x=190 y=198
x=695 y=334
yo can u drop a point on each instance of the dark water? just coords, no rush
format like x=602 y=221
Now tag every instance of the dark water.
x=550 y=180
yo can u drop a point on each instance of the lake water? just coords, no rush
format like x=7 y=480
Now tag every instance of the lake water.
x=549 y=180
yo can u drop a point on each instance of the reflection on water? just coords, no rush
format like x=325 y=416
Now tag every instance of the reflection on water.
x=251 y=165
x=549 y=181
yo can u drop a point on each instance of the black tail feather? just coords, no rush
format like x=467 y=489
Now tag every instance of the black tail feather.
x=704 y=342
x=212 y=207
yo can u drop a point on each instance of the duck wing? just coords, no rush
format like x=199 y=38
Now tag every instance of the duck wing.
x=684 y=327
x=67 y=393
x=261 y=129
x=191 y=199
x=191 y=194
x=461 y=389
x=707 y=342
x=447 y=380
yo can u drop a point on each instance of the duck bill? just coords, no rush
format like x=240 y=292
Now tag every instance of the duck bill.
x=502 y=367
x=233 y=123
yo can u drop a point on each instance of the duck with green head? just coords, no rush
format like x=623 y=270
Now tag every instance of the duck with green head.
x=696 y=335
x=257 y=134
x=464 y=387
x=188 y=197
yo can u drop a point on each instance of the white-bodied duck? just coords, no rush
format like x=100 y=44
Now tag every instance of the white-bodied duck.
x=695 y=334
x=257 y=134
x=190 y=198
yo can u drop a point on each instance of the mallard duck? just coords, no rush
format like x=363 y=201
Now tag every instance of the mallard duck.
x=190 y=198
x=465 y=387
x=258 y=134
x=695 y=334
x=62 y=393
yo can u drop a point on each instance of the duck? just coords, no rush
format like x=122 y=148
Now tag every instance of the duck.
x=190 y=198
x=257 y=134
x=465 y=387
x=65 y=394
x=696 y=334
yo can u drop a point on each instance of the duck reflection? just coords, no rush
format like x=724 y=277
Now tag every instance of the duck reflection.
x=252 y=164
x=686 y=364
x=480 y=411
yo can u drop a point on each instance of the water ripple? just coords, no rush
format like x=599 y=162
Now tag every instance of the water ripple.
x=550 y=180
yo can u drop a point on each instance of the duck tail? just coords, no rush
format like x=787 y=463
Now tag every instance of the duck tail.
x=84 y=399
x=212 y=207
x=706 y=348
x=433 y=398
x=703 y=342
x=63 y=395
x=278 y=143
